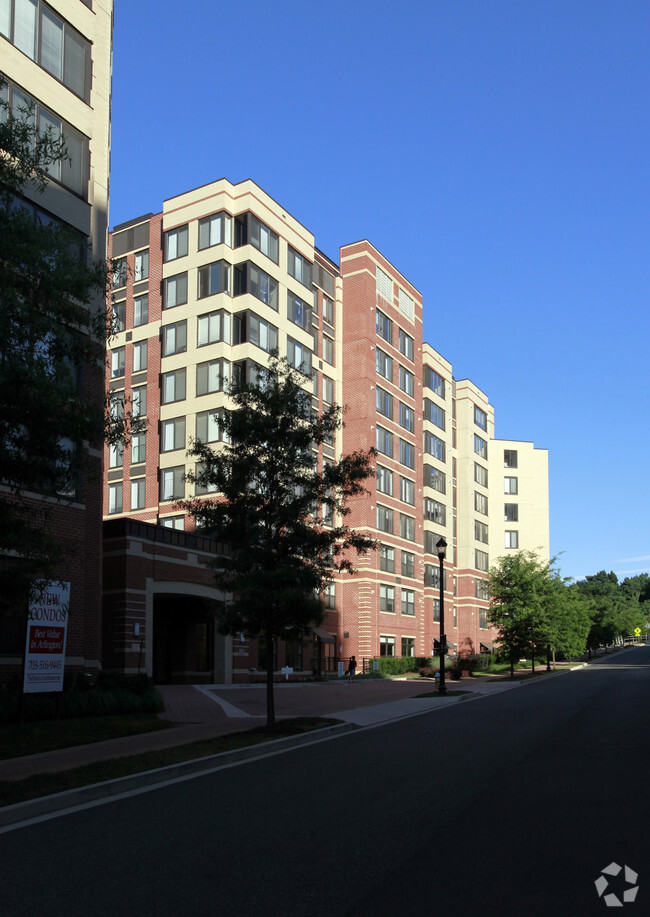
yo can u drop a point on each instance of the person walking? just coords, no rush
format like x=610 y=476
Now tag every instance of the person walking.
x=352 y=667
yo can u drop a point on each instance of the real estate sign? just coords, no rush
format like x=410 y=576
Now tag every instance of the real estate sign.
x=47 y=627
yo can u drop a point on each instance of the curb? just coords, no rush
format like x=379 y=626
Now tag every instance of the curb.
x=79 y=796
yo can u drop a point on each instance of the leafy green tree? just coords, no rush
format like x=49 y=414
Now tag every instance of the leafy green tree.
x=52 y=349
x=519 y=592
x=569 y=620
x=275 y=510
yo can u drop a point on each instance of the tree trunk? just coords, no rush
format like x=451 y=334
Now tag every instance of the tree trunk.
x=548 y=658
x=532 y=660
x=512 y=666
x=270 y=697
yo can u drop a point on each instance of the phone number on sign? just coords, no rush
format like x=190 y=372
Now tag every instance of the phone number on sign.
x=40 y=665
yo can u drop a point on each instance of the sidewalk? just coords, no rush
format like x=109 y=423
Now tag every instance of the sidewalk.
x=217 y=710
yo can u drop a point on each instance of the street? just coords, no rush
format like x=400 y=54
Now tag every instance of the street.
x=510 y=804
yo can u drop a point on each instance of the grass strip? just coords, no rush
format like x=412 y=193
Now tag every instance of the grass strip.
x=436 y=693
x=14 y=791
x=49 y=735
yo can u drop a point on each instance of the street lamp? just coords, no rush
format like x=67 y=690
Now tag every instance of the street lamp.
x=441 y=548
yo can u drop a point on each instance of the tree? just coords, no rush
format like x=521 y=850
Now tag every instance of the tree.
x=616 y=608
x=275 y=510
x=52 y=340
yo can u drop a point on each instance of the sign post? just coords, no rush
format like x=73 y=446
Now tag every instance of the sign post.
x=47 y=628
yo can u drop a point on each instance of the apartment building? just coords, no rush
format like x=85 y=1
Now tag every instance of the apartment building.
x=57 y=57
x=206 y=289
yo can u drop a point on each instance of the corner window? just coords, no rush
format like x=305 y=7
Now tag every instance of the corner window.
x=175 y=243
x=434 y=381
x=480 y=475
x=435 y=478
x=480 y=446
x=214 y=230
x=299 y=356
x=209 y=427
x=298 y=311
x=250 y=327
x=298 y=267
x=213 y=328
x=434 y=511
x=434 y=413
x=249 y=278
x=213 y=376
x=214 y=278
x=250 y=230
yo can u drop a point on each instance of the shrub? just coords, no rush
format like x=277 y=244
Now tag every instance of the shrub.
x=396 y=665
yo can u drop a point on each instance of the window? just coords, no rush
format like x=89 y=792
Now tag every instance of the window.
x=328 y=350
x=406 y=381
x=298 y=356
x=482 y=618
x=172 y=434
x=141 y=271
x=480 y=503
x=407 y=453
x=430 y=541
x=386 y=558
x=435 y=478
x=138 y=448
x=176 y=243
x=212 y=328
x=384 y=441
x=209 y=427
x=480 y=446
x=434 y=381
x=408 y=646
x=138 y=494
x=213 y=376
x=384 y=403
x=407 y=491
x=119 y=272
x=214 y=230
x=511 y=512
x=408 y=564
x=328 y=390
x=407 y=527
x=140 y=310
x=434 y=413
x=386 y=644
x=250 y=327
x=214 y=278
x=299 y=267
x=384 y=326
x=509 y=458
x=384 y=285
x=436 y=609
x=384 y=481
x=174 y=338
x=481 y=560
x=405 y=344
x=249 y=278
x=480 y=531
x=116 y=406
x=172 y=483
x=175 y=291
x=173 y=386
x=434 y=511
x=330 y=595
x=114 y=498
x=406 y=304
x=387 y=598
x=116 y=455
x=117 y=362
x=406 y=417
x=481 y=589
x=384 y=365
x=510 y=485
x=480 y=475
x=480 y=418
x=119 y=316
x=250 y=230
x=298 y=311
x=512 y=539
x=408 y=602
x=139 y=356
x=328 y=310
x=432 y=575
x=434 y=446
x=50 y=41
x=173 y=522
x=384 y=519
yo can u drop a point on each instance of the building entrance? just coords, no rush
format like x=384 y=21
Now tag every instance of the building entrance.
x=183 y=640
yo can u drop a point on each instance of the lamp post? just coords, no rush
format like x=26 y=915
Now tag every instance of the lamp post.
x=441 y=548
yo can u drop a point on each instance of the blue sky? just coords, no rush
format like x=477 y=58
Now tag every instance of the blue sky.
x=496 y=151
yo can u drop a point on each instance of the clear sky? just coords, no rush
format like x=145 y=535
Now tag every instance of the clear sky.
x=497 y=152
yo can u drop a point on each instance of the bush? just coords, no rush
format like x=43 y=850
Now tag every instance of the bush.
x=126 y=695
x=395 y=665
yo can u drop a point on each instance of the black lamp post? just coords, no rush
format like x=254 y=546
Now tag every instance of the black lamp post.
x=441 y=548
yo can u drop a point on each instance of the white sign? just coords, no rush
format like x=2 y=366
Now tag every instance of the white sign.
x=341 y=669
x=375 y=665
x=47 y=628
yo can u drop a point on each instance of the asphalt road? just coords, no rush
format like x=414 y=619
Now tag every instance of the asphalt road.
x=507 y=805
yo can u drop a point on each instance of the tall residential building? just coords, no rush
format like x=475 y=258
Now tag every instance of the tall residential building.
x=57 y=57
x=206 y=289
